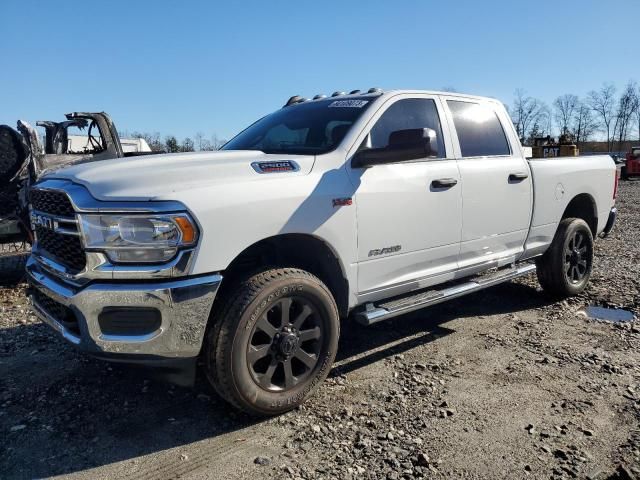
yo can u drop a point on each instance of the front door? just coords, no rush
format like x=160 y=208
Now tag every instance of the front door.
x=409 y=225
x=496 y=184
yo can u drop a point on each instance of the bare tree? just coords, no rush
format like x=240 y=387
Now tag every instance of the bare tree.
x=602 y=102
x=216 y=142
x=526 y=112
x=637 y=111
x=624 y=114
x=203 y=144
x=583 y=123
x=152 y=139
x=206 y=145
x=565 y=109
x=187 y=145
x=535 y=132
x=545 y=118
x=199 y=140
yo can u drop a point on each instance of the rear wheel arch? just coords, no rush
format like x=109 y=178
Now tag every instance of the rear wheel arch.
x=583 y=206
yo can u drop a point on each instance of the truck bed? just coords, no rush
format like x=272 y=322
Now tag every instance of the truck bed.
x=556 y=182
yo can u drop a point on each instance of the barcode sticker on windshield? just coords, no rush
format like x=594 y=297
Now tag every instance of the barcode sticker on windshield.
x=349 y=103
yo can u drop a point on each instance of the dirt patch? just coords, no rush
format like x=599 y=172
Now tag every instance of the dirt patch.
x=502 y=384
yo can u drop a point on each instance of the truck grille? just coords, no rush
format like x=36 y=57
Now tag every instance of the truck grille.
x=59 y=312
x=52 y=202
x=64 y=248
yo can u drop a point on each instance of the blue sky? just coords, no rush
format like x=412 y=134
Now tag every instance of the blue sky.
x=183 y=67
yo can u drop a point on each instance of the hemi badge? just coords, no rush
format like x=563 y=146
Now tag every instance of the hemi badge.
x=342 y=202
x=275 y=167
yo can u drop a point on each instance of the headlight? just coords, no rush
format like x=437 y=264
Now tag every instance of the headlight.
x=138 y=238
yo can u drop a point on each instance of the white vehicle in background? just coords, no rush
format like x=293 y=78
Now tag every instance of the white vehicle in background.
x=79 y=143
x=367 y=205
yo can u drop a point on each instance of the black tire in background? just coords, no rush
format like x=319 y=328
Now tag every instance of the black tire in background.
x=272 y=340
x=565 y=268
x=623 y=173
x=12 y=153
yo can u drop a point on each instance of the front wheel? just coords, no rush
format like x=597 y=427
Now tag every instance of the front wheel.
x=565 y=267
x=272 y=341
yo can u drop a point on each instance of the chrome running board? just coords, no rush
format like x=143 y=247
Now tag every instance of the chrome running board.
x=415 y=301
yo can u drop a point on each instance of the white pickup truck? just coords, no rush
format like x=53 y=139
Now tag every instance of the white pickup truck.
x=362 y=205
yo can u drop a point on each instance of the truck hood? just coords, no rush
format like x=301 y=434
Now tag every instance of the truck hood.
x=152 y=177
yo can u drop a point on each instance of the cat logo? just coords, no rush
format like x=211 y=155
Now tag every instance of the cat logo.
x=548 y=152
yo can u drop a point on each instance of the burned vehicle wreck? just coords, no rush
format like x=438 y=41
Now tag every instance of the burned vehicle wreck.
x=25 y=156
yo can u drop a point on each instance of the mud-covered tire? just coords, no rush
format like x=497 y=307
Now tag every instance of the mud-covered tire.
x=12 y=153
x=565 y=268
x=284 y=317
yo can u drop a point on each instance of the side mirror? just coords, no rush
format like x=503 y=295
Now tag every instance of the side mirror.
x=403 y=145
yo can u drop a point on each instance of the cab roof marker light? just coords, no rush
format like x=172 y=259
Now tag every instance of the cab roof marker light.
x=319 y=96
x=353 y=92
x=295 y=99
x=374 y=90
x=337 y=94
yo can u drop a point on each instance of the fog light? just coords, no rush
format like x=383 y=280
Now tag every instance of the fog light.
x=127 y=321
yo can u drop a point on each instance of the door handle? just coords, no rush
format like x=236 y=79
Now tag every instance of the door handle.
x=444 y=183
x=518 y=177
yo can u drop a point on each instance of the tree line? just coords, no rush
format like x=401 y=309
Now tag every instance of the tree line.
x=603 y=114
x=170 y=144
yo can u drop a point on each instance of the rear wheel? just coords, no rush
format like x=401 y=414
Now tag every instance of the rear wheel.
x=565 y=268
x=273 y=341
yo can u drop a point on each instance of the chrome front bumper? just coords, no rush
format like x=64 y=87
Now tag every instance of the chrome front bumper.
x=184 y=305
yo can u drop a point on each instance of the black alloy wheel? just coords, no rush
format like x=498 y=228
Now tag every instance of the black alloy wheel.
x=285 y=344
x=576 y=257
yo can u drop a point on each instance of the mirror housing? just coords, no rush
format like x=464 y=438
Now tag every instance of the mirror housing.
x=403 y=145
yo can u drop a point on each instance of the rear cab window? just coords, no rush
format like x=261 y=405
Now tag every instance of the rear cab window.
x=478 y=128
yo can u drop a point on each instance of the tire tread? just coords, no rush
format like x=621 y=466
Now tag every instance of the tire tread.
x=222 y=330
x=549 y=267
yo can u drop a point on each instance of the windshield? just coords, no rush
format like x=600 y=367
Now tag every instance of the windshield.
x=308 y=128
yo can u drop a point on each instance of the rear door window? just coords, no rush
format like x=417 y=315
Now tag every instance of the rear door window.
x=479 y=130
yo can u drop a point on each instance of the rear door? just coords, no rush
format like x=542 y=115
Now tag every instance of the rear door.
x=496 y=183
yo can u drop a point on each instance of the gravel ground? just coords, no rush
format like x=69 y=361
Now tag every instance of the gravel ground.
x=501 y=384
